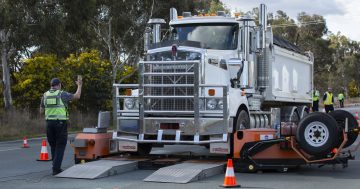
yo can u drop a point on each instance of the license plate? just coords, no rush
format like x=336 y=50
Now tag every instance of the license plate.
x=219 y=148
x=126 y=146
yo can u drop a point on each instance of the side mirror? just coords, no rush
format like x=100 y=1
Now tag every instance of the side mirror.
x=235 y=67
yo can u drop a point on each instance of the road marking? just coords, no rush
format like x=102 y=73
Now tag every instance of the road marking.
x=10 y=149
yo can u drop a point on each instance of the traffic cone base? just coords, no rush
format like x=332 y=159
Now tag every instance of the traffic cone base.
x=25 y=143
x=230 y=180
x=44 y=156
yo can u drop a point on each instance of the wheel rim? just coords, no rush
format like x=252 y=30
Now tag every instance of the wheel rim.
x=316 y=134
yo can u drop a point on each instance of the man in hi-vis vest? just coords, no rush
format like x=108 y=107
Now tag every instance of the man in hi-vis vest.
x=329 y=100
x=316 y=97
x=55 y=102
x=341 y=99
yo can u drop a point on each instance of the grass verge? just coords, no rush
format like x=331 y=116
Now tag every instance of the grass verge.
x=16 y=124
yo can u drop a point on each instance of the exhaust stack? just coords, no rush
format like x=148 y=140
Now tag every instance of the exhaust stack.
x=265 y=57
x=173 y=14
x=263 y=24
x=156 y=29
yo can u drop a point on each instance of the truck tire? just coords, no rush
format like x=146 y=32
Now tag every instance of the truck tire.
x=317 y=134
x=242 y=121
x=340 y=116
x=144 y=149
x=303 y=111
x=290 y=114
x=295 y=117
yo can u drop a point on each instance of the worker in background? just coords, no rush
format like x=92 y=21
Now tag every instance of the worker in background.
x=329 y=100
x=55 y=102
x=341 y=99
x=315 y=106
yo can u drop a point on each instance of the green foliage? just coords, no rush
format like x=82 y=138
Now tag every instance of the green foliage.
x=33 y=80
x=283 y=26
x=217 y=5
x=96 y=94
x=353 y=89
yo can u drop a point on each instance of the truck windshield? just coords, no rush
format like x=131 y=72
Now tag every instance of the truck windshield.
x=211 y=36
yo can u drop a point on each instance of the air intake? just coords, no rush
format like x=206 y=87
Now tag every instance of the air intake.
x=186 y=14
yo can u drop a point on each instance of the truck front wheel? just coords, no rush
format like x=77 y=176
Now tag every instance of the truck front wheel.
x=242 y=121
x=317 y=134
x=144 y=149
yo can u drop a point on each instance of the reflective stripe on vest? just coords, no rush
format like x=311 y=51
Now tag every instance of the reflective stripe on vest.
x=55 y=108
x=328 y=100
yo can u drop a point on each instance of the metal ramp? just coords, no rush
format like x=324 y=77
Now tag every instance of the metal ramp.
x=99 y=169
x=186 y=172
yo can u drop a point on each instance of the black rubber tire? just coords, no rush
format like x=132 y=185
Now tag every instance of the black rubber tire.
x=144 y=149
x=77 y=161
x=242 y=121
x=340 y=116
x=327 y=122
x=295 y=117
x=242 y=118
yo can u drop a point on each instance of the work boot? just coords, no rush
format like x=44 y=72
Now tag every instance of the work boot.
x=55 y=172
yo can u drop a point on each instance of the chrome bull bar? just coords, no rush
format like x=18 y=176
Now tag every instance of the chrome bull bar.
x=155 y=93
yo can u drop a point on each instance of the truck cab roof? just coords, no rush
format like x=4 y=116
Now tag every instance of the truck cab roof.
x=203 y=19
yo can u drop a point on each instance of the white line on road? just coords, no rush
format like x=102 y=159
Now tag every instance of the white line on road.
x=10 y=149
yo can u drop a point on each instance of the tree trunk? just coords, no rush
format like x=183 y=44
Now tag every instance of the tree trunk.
x=6 y=79
x=114 y=99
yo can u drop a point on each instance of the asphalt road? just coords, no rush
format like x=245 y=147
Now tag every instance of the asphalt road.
x=19 y=169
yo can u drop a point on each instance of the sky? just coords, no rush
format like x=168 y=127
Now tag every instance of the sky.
x=340 y=15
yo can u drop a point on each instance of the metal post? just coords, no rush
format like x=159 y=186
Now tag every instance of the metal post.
x=225 y=109
x=196 y=98
x=141 y=99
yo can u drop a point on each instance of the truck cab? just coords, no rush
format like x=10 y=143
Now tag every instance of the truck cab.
x=212 y=76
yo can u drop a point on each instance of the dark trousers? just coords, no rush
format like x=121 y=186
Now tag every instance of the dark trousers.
x=341 y=103
x=329 y=108
x=56 y=131
x=315 y=107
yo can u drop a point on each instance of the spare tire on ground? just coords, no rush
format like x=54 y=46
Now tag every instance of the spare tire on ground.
x=340 y=116
x=317 y=134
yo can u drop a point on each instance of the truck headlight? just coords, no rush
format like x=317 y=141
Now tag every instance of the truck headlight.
x=211 y=104
x=129 y=103
x=221 y=104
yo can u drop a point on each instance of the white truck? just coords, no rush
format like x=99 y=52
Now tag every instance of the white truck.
x=214 y=75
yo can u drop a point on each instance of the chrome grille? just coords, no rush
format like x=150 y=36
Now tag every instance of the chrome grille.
x=169 y=86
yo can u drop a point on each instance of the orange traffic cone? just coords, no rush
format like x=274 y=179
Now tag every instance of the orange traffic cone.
x=25 y=143
x=230 y=180
x=44 y=156
x=356 y=115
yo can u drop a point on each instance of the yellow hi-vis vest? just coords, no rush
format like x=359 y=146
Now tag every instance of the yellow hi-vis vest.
x=341 y=96
x=55 y=108
x=328 y=100
x=316 y=95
